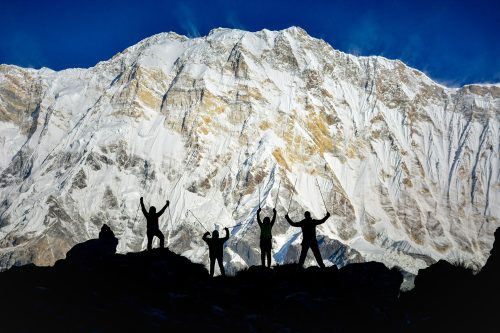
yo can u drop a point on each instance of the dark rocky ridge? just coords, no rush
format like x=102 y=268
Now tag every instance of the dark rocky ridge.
x=162 y=291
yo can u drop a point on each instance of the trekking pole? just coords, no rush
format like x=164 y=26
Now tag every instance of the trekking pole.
x=259 y=196
x=198 y=220
x=276 y=202
x=169 y=213
x=171 y=223
x=319 y=188
x=291 y=196
x=171 y=220
x=136 y=213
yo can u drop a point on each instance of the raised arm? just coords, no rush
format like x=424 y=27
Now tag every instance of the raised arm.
x=293 y=224
x=143 y=208
x=205 y=236
x=274 y=217
x=323 y=220
x=227 y=235
x=163 y=209
x=258 y=217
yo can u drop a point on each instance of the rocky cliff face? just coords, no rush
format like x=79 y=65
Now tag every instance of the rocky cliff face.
x=408 y=168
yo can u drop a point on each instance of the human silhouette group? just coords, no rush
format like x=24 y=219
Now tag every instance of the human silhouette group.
x=216 y=244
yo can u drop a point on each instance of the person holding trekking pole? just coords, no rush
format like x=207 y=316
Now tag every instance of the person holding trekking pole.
x=216 y=250
x=266 y=237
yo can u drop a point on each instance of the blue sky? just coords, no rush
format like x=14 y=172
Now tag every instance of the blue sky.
x=454 y=42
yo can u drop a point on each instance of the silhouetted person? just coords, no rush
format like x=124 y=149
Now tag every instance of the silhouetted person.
x=107 y=240
x=152 y=226
x=106 y=232
x=266 y=237
x=309 y=241
x=94 y=249
x=215 y=249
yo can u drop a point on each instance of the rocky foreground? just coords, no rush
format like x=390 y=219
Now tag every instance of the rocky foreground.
x=95 y=291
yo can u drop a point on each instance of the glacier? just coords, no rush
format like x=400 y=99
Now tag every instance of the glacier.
x=408 y=168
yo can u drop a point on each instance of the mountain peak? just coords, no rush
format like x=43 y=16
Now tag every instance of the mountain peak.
x=407 y=167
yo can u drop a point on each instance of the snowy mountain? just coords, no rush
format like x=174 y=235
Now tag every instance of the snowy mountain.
x=409 y=169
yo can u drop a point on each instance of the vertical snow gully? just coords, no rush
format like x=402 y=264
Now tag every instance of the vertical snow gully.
x=482 y=138
x=464 y=135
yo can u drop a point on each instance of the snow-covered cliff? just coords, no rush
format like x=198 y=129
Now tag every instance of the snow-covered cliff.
x=408 y=168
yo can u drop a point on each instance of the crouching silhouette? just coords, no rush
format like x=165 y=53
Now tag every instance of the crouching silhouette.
x=309 y=241
x=94 y=249
x=216 y=249
x=152 y=223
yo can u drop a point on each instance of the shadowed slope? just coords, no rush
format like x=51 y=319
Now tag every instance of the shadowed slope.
x=160 y=291
x=451 y=298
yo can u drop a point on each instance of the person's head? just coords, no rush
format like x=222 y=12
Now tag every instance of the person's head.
x=267 y=220
x=106 y=232
x=152 y=210
x=215 y=234
x=307 y=215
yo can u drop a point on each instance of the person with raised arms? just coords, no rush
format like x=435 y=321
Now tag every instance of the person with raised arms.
x=309 y=240
x=216 y=249
x=266 y=237
x=152 y=223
